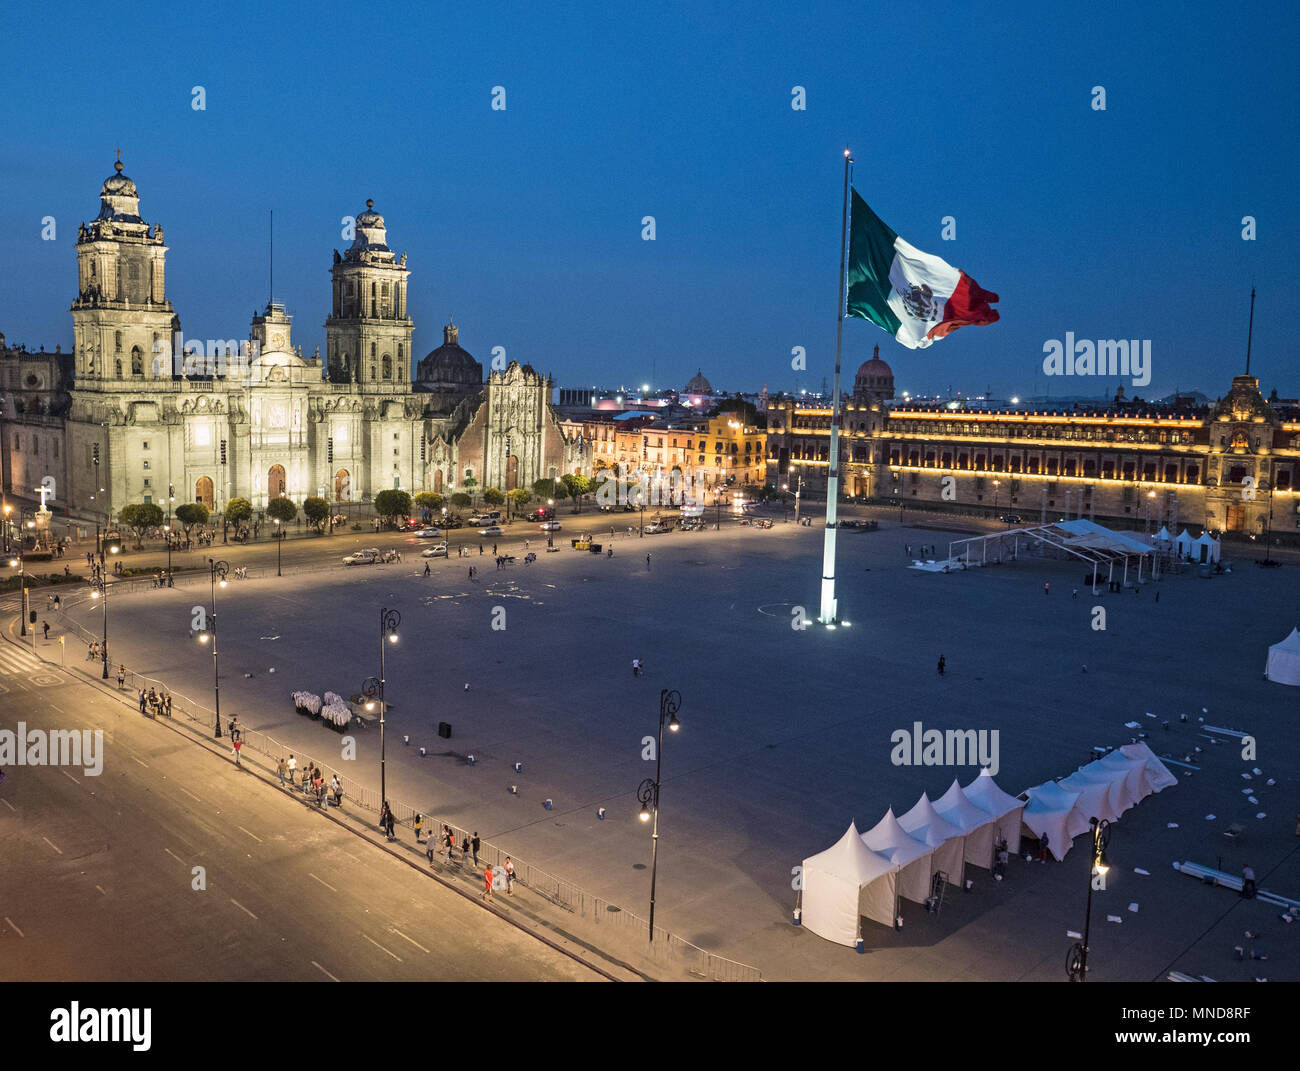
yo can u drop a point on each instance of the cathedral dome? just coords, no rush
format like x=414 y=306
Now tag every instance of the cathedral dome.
x=876 y=367
x=874 y=379
x=371 y=234
x=449 y=367
x=699 y=385
x=118 y=198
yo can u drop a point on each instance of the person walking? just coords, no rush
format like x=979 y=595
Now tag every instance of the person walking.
x=46 y=626
x=494 y=550
x=121 y=676
x=430 y=846
x=464 y=850
x=419 y=821
x=480 y=550
x=280 y=770
x=487 y=882
x=141 y=700
x=473 y=844
x=336 y=787
x=510 y=877
x=1043 y=842
x=448 y=842
x=942 y=664
x=426 y=568
x=647 y=563
x=291 y=766
x=167 y=704
x=1047 y=587
x=1248 y=882
x=238 y=744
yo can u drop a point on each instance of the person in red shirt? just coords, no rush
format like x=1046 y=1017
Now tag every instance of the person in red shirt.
x=487 y=882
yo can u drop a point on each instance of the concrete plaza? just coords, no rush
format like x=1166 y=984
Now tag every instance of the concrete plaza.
x=785 y=734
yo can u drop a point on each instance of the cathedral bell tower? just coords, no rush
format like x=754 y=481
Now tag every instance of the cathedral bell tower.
x=368 y=334
x=122 y=320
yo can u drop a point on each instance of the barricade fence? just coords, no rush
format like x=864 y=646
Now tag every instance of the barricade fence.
x=666 y=949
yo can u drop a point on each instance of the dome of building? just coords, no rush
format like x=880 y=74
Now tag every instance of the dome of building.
x=118 y=198
x=875 y=379
x=698 y=384
x=449 y=367
x=371 y=232
x=876 y=367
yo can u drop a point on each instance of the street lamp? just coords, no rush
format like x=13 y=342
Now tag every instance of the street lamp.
x=996 y=484
x=1150 y=502
x=640 y=501
x=373 y=687
x=279 y=539
x=1076 y=963
x=168 y=529
x=103 y=578
x=217 y=570
x=550 y=533
x=8 y=510
x=648 y=792
x=21 y=564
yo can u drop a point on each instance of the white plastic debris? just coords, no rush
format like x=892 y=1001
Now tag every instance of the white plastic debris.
x=1139 y=870
x=1133 y=907
x=1257 y=771
x=1246 y=776
x=1130 y=725
x=1172 y=825
x=1150 y=715
x=1210 y=817
x=1270 y=782
x=1253 y=800
x=1073 y=936
x=1261 y=815
x=1114 y=918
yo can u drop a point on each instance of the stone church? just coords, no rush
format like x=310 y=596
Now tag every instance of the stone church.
x=123 y=418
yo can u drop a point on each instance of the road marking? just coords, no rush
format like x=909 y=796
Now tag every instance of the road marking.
x=144 y=764
x=52 y=706
x=325 y=883
x=242 y=908
x=253 y=835
x=9 y=805
x=101 y=889
x=323 y=971
x=417 y=944
x=382 y=948
x=174 y=856
x=13 y=927
x=52 y=844
x=70 y=777
x=188 y=793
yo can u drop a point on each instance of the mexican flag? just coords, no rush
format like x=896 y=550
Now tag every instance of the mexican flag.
x=916 y=297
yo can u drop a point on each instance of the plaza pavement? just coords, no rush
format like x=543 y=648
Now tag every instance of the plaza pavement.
x=786 y=735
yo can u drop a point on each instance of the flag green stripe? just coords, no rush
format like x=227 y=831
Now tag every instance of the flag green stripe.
x=871 y=253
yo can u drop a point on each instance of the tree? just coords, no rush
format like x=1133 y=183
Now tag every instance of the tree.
x=281 y=509
x=550 y=489
x=519 y=498
x=190 y=514
x=430 y=502
x=577 y=485
x=238 y=510
x=392 y=504
x=316 y=510
x=460 y=500
x=493 y=496
x=471 y=487
x=140 y=516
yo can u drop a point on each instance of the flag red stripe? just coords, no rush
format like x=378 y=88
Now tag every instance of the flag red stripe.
x=969 y=304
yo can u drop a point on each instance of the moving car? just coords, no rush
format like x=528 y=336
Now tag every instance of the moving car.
x=544 y=514
x=656 y=529
x=550 y=526
x=362 y=557
x=438 y=550
x=492 y=530
x=429 y=533
x=1012 y=518
x=485 y=518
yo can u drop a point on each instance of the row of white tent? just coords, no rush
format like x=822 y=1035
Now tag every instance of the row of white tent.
x=864 y=874
x=1283 y=664
x=1206 y=549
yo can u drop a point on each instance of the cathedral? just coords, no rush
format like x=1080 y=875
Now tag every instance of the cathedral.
x=138 y=413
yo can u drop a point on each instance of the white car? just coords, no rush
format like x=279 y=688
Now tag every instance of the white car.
x=492 y=530
x=362 y=557
x=429 y=533
x=438 y=550
x=550 y=526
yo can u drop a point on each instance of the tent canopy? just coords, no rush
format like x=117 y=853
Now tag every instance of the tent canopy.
x=1006 y=810
x=843 y=884
x=889 y=840
x=925 y=824
x=977 y=824
x=1283 y=663
x=1053 y=810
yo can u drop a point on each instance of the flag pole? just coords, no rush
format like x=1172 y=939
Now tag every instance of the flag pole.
x=828 y=615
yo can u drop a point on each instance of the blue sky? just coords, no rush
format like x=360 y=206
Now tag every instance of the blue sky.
x=526 y=223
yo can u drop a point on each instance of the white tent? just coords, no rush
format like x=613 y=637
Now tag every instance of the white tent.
x=1006 y=810
x=844 y=884
x=925 y=824
x=976 y=823
x=1206 y=549
x=1129 y=785
x=1163 y=535
x=1283 y=665
x=1183 y=544
x=1101 y=791
x=1053 y=810
x=890 y=841
x=1158 y=777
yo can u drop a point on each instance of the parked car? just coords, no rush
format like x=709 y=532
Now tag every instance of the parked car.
x=492 y=530
x=1012 y=518
x=362 y=557
x=656 y=529
x=550 y=526
x=438 y=550
x=485 y=518
x=542 y=515
x=429 y=533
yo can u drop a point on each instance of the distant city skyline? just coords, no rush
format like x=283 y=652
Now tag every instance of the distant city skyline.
x=526 y=223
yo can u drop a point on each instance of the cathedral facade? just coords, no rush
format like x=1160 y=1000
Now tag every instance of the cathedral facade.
x=138 y=414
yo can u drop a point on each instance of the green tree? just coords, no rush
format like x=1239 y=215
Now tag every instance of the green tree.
x=550 y=489
x=316 y=510
x=519 y=498
x=238 y=510
x=139 y=516
x=281 y=509
x=471 y=487
x=429 y=501
x=392 y=504
x=493 y=496
x=460 y=500
x=577 y=485
x=190 y=514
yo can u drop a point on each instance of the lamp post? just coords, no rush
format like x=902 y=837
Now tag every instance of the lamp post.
x=648 y=792
x=640 y=502
x=21 y=563
x=1076 y=963
x=550 y=533
x=8 y=510
x=216 y=570
x=996 y=485
x=167 y=528
x=374 y=687
x=103 y=577
x=279 y=542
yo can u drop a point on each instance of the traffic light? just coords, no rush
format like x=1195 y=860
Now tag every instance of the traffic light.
x=223 y=451
x=94 y=453
x=329 y=450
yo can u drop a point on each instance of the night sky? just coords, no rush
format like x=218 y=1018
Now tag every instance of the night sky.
x=526 y=224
